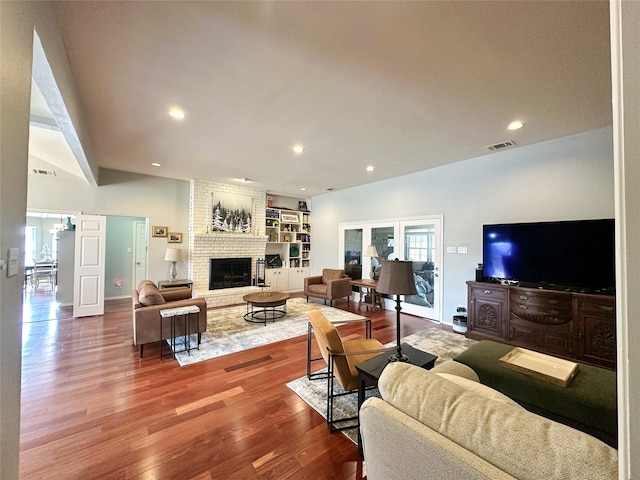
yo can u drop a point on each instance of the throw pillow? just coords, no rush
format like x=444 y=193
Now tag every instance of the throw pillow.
x=143 y=283
x=149 y=295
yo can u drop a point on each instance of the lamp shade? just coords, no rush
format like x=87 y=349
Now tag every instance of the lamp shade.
x=396 y=278
x=371 y=251
x=173 y=254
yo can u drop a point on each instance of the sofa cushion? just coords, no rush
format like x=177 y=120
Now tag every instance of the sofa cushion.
x=329 y=274
x=519 y=442
x=478 y=388
x=318 y=288
x=455 y=368
x=149 y=295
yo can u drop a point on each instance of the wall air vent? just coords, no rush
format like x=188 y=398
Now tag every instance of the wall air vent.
x=37 y=171
x=501 y=145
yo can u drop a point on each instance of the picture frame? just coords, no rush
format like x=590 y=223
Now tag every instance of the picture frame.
x=174 y=237
x=287 y=217
x=302 y=206
x=157 y=231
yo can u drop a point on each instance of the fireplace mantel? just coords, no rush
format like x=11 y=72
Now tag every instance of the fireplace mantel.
x=228 y=235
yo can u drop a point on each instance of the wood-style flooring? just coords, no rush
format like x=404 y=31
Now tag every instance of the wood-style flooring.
x=92 y=409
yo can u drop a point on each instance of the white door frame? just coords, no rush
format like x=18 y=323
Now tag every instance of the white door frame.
x=434 y=313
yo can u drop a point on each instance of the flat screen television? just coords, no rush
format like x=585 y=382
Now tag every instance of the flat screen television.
x=568 y=255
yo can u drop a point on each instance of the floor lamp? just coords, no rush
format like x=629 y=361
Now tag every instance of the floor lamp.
x=396 y=278
x=173 y=255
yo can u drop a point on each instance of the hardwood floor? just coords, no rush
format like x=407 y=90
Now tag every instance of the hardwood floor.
x=92 y=409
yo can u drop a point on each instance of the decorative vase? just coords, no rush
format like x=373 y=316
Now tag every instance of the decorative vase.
x=69 y=225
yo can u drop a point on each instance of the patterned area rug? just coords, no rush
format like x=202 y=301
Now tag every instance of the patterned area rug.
x=228 y=332
x=445 y=345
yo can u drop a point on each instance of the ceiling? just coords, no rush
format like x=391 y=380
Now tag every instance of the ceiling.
x=401 y=86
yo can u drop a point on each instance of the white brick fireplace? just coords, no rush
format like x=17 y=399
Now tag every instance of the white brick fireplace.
x=203 y=244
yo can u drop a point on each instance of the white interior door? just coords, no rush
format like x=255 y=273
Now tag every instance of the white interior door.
x=88 y=294
x=140 y=253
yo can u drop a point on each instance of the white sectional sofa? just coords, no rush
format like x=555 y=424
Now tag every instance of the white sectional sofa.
x=443 y=424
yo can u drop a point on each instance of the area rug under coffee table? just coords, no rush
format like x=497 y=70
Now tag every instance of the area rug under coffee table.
x=228 y=332
x=446 y=345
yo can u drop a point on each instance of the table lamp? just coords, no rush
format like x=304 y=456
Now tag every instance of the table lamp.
x=396 y=278
x=372 y=253
x=173 y=255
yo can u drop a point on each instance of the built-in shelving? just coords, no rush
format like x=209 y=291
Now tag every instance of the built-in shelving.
x=289 y=234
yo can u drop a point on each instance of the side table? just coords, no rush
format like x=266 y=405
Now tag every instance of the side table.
x=173 y=314
x=162 y=284
x=375 y=299
x=370 y=370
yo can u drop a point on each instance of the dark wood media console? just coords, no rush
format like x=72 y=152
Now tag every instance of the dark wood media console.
x=576 y=326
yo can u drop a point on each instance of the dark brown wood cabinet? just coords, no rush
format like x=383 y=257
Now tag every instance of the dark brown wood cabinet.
x=572 y=325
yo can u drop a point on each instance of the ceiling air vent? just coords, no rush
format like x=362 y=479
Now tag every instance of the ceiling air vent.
x=500 y=146
x=37 y=171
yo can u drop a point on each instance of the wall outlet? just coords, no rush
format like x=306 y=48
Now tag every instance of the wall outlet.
x=13 y=262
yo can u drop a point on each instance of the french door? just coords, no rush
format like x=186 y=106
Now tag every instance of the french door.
x=415 y=239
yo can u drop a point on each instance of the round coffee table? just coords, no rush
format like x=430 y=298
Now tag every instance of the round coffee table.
x=261 y=306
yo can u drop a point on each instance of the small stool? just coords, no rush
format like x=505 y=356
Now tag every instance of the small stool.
x=172 y=314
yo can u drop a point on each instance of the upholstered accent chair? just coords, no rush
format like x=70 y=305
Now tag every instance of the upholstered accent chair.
x=148 y=301
x=341 y=357
x=331 y=285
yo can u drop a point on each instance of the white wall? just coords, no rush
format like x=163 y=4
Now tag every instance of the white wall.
x=165 y=202
x=16 y=36
x=625 y=54
x=563 y=179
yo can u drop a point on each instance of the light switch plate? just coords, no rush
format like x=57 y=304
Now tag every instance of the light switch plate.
x=462 y=249
x=451 y=249
x=13 y=262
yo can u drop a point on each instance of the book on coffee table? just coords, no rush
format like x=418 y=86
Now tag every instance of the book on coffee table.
x=545 y=367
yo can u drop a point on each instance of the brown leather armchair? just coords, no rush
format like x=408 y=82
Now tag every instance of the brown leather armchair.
x=147 y=303
x=332 y=284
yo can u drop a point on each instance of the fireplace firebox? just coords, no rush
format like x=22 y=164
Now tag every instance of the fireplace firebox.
x=229 y=273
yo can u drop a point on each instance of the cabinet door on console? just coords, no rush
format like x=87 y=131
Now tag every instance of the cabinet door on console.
x=487 y=311
x=542 y=320
x=596 y=317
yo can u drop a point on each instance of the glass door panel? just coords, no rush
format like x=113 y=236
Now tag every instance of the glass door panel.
x=421 y=244
x=383 y=238
x=352 y=252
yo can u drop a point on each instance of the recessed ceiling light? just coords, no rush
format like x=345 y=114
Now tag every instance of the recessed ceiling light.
x=515 y=125
x=245 y=180
x=370 y=168
x=156 y=164
x=303 y=189
x=298 y=149
x=177 y=113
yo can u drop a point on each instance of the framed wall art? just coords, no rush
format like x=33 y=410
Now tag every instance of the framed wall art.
x=174 y=237
x=159 y=231
x=231 y=212
x=287 y=217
